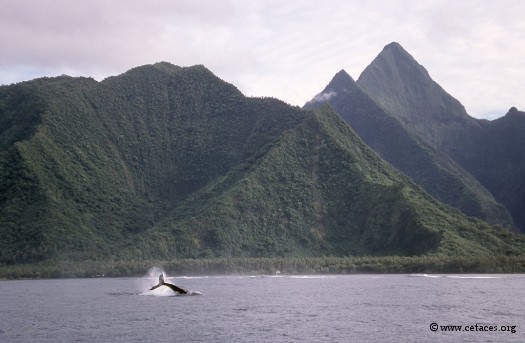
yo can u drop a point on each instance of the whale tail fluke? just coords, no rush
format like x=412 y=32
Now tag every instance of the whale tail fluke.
x=156 y=286
x=176 y=289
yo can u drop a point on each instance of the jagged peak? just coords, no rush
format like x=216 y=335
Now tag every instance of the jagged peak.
x=341 y=82
x=341 y=79
x=514 y=113
x=394 y=55
x=395 y=74
x=397 y=55
x=343 y=74
x=396 y=50
x=394 y=46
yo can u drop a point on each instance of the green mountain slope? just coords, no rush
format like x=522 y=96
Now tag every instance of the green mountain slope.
x=108 y=160
x=403 y=87
x=435 y=171
x=496 y=156
x=319 y=190
x=492 y=151
x=170 y=162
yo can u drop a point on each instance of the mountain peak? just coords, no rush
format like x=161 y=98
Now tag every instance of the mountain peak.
x=514 y=113
x=399 y=83
x=394 y=46
x=395 y=52
x=396 y=62
x=341 y=82
x=342 y=74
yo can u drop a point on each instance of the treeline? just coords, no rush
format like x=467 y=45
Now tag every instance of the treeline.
x=299 y=265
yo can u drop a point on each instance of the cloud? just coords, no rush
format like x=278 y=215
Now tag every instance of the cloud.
x=105 y=36
x=285 y=49
x=477 y=53
x=322 y=97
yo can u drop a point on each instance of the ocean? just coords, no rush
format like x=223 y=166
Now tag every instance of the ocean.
x=277 y=308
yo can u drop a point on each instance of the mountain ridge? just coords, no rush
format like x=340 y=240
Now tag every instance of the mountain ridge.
x=433 y=170
x=404 y=88
x=489 y=150
x=170 y=162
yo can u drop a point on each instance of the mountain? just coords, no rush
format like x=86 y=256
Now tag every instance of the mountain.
x=98 y=162
x=164 y=162
x=489 y=150
x=400 y=85
x=435 y=171
x=496 y=156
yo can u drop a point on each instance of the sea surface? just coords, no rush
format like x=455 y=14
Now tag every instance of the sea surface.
x=278 y=308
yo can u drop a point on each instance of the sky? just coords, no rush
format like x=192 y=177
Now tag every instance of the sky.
x=284 y=49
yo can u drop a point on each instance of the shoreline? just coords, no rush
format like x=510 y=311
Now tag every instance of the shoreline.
x=269 y=265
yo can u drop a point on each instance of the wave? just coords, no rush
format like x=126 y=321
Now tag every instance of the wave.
x=311 y=276
x=425 y=275
x=472 y=277
x=280 y=276
x=190 y=277
x=456 y=276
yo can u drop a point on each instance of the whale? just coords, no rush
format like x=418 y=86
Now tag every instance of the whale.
x=173 y=287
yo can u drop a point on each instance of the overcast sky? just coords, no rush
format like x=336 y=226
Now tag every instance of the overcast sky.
x=285 y=49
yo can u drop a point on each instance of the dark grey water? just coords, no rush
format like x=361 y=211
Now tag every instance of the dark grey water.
x=356 y=308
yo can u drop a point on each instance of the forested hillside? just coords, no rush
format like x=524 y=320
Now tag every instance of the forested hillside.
x=170 y=162
x=431 y=168
x=492 y=151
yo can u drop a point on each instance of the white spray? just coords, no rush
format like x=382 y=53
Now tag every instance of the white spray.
x=151 y=279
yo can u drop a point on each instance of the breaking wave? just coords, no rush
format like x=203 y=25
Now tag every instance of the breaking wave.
x=456 y=276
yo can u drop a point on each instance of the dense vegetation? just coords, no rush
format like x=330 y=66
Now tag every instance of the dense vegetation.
x=432 y=169
x=270 y=265
x=165 y=163
x=492 y=151
x=496 y=156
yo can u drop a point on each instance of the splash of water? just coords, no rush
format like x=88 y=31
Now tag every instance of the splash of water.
x=151 y=279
